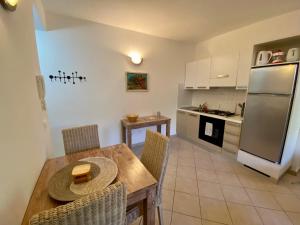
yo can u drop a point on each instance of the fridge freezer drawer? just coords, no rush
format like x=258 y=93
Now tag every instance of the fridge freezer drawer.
x=265 y=125
x=277 y=79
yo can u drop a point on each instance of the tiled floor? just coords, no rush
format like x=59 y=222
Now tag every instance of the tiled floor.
x=202 y=187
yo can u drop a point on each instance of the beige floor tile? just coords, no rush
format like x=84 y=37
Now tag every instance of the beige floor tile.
x=189 y=154
x=173 y=160
x=186 y=171
x=243 y=214
x=206 y=222
x=186 y=204
x=288 y=202
x=279 y=188
x=207 y=175
x=236 y=194
x=171 y=169
x=295 y=188
x=202 y=154
x=223 y=166
x=214 y=210
x=204 y=164
x=263 y=199
x=210 y=190
x=294 y=217
x=166 y=217
x=180 y=219
x=273 y=217
x=187 y=185
x=167 y=199
x=186 y=161
x=228 y=178
x=169 y=182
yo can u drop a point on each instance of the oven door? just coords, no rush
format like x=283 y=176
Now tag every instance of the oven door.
x=211 y=130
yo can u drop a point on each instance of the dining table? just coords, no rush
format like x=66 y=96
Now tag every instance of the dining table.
x=140 y=184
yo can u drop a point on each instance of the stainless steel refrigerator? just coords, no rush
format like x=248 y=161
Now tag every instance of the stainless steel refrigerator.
x=268 y=106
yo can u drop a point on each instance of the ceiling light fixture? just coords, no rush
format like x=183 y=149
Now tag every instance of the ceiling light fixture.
x=10 y=5
x=136 y=58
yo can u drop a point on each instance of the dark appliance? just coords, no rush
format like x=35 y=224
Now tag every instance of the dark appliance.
x=211 y=130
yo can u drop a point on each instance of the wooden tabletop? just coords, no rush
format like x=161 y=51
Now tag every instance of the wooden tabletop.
x=131 y=171
x=145 y=121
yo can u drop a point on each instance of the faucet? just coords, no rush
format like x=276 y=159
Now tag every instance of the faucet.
x=203 y=107
x=242 y=106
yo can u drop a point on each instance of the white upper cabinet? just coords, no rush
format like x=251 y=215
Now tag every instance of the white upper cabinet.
x=197 y=74
x=243 y=74
x=224 y=69
x=191 y=72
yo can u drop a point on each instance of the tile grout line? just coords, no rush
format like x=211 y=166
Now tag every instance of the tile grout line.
x=199 y=201
x=258 y=214
x=171 y=219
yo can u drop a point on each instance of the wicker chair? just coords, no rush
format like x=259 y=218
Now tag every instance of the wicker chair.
x=80 y=138
x=107 y=207
x=155 y=158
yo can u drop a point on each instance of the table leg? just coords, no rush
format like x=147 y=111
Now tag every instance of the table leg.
x=123 y=134
x=149 y=208
x=168 y=128
x=129 y=134
x=158 y=128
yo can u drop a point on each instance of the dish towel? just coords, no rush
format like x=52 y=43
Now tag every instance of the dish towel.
x=208 y=129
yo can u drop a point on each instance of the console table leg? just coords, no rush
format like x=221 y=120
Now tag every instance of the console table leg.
x=168 y=129
x=129 y=136
x=123 y=134
x=158 y=128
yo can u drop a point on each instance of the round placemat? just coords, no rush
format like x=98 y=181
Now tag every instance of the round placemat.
x=108 y=172
x=59 y=184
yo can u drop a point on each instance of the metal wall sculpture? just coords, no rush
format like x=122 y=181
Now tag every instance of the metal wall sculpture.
x=62 y=77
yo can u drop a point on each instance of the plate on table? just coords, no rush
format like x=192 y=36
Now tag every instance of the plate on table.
x=62 y=188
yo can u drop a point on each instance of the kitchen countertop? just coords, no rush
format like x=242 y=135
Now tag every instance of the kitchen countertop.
x=234 y=119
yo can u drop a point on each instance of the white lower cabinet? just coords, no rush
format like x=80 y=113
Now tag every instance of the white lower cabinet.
x=187 y=125
x=188 y=128
x=181 y=124
x=231 y=140
x=192 y=126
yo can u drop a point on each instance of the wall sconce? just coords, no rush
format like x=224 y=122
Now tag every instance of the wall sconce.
x=136 y=58
x=10 y=5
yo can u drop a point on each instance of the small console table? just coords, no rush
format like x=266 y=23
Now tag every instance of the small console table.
x=145 y=121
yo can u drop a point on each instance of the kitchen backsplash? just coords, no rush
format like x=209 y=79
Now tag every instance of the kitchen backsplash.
x=220 y=98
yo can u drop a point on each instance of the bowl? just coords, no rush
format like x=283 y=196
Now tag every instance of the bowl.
x=132 y=117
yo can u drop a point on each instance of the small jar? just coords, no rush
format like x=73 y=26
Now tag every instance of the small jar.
x=278 y=57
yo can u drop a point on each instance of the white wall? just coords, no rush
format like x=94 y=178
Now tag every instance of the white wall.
x=23 y=151
x=99 y=52
x=242 y=40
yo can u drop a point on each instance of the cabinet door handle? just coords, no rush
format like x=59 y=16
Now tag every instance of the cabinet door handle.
x=202 y=87
x=194 y=115
x=223 y=76
x=189 y=87
x=241 y=87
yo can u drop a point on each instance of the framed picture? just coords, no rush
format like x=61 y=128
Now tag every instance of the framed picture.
x=136 y=81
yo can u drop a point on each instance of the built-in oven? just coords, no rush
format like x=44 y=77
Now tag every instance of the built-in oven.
x=211 y=130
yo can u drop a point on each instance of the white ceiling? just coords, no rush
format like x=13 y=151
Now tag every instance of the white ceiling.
x=182 y=20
